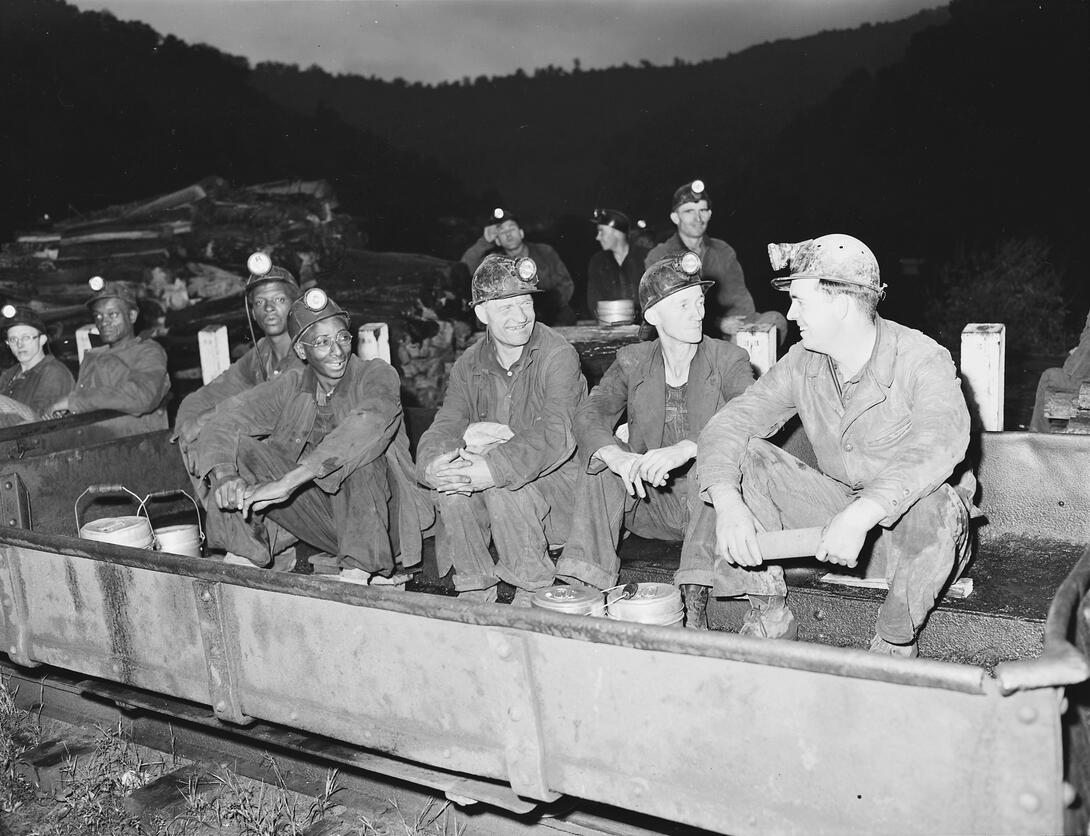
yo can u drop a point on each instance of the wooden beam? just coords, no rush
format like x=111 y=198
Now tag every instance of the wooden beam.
x=83 y=339
x=759 y=341
x=214 y=350
x=374 y=341
x=983 y=360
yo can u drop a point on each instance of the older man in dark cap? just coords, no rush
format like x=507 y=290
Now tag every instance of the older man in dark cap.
x=499 y=453
x=270 y=290
x=38 y=379
x=666 y=390
x=505 y=235
x=317 y=454
x=883 y=408
x=614 y=273
x=691 y=212
x=126 y=373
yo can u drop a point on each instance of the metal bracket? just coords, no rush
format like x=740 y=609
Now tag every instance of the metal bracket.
x=14 y=501
x=221 y=652
x=524 y=744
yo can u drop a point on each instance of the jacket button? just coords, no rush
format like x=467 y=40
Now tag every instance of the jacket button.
x=848 y=447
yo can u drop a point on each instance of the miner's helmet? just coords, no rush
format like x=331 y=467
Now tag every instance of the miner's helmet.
x=20 y=315
x=500 y=277
x=263 y=271
x=501 y=215
x=310 y=308
x=692 y=192
x=836 y=258
x=669 y=275
x=611 y=217
x=102 y=289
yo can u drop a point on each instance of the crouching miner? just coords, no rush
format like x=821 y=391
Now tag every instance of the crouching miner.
x=317 y=454
x=666 y=390
x=500 y=452
x=883 y=408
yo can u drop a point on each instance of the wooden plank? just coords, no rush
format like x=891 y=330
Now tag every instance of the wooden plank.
x=168 y=795
x=83 y=339
x=760 y=342
x=374 y=341
x=983 y=358
x=44 y=764
x=215 y=351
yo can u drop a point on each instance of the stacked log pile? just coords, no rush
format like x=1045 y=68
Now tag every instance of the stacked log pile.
x=1069 y=413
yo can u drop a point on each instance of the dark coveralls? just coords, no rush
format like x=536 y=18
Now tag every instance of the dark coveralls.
x=129 y=376
x=530 y=505
x=657 y=416
x=39 y=387
x=607 y=280
x=363 y=505
x=894 y=434
x=1065 y=381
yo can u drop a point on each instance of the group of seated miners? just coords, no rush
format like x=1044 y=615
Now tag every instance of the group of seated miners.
x=525 y=477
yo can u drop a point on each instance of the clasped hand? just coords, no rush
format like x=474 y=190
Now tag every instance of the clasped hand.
x=236 y=494
x=460 y=471
x=652 y=467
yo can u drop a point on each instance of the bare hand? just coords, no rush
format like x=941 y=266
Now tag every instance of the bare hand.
x=656 y=464
x=491 y=232
x=625 y=464
x=475 y=473
x=736 y=530
x=481 y=435
x=190 y=429
x=259 y=497
x=58 y=410
x=230 y=493
x=841 y=541
x=731 y=324
x=445 y=471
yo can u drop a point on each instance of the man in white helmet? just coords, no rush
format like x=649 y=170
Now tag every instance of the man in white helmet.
x=731 y=304
x=883 y=408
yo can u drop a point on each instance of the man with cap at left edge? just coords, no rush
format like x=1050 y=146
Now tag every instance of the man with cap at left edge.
x=38 y=379
x=499 y=454
x=614 y=273
x=126 y=373
x=317 y=454
x=505 y=236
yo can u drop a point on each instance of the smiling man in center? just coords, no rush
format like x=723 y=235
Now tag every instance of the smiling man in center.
x=318 y=454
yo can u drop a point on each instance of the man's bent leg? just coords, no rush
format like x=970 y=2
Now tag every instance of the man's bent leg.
x=590 y=554
x=362 y=511
x=462 y=541
x=525 y=521
x=926 y=546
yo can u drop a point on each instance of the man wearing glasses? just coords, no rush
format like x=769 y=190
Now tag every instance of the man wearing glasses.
x=37 y=380
x=317 y=454
x=126 y=373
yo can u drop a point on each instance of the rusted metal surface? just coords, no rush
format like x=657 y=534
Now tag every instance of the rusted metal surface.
x=74 y=431
x=718 y=731
x=142 y=463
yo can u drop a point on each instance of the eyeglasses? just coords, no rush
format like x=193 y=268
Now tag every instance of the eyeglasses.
x=17 y=341
x=324 y=344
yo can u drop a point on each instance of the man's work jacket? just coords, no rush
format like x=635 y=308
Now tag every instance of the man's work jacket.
x=129 y=376
x=546 y=387
x=719 y=264
x=255 y=366
x=635 y=386
x=898 y=436
x=367 y=424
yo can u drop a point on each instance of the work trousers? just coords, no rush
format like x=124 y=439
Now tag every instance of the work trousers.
x=917 y=555
x=521 y=523
x=603 y=508
x=1053 y=382
x=352 y=524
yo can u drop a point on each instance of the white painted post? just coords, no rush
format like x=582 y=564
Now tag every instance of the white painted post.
x=759 y=341
x=374 y=341
x=214 y=350
x=83 y=339
x=983 y=359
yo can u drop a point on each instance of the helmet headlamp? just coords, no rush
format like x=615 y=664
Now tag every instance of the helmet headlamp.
x=259 y=263
x=526 y=268
x=315 y=299
x=97 y=283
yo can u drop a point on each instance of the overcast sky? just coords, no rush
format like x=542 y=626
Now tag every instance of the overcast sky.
x=432 y=40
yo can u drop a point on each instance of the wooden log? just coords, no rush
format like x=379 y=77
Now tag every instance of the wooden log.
x=1060 y=408
x=215 y=351
x=983 y=358
x=1083 y=398
x=182 y=197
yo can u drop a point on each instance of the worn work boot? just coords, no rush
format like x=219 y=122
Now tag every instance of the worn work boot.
x=769 y=617
x=696 y=605
x=907 y=651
